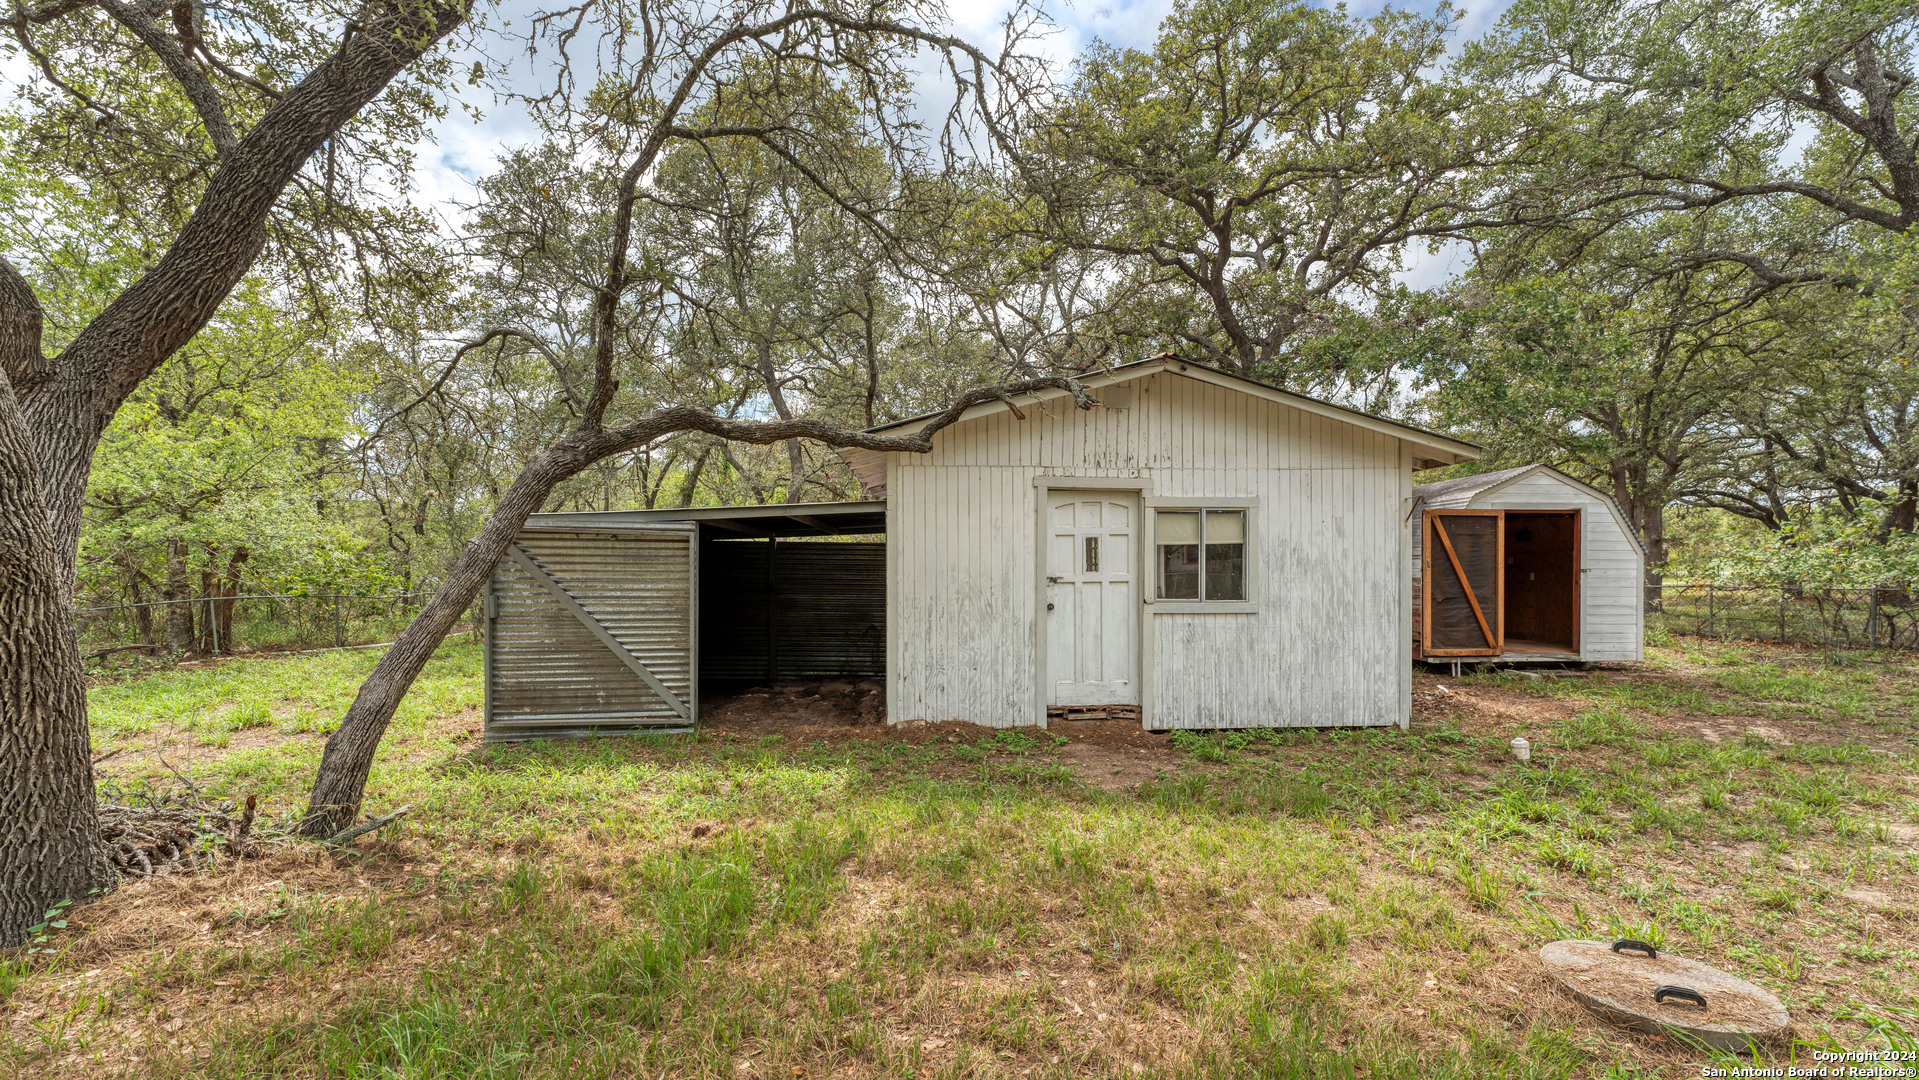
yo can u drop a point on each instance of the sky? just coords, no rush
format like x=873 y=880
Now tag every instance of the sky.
x=462 y=151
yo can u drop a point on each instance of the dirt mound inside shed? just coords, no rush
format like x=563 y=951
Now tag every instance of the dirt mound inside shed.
x=828 y=703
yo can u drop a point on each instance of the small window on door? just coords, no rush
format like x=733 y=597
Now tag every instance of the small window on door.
x=1092 y=555
x=1202 y=555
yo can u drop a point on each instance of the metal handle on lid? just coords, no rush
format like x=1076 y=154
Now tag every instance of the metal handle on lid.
x=1683 y=993
x=1628 y=943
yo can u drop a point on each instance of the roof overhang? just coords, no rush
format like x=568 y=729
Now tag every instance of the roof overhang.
x=1430 y=449
x=736 y=522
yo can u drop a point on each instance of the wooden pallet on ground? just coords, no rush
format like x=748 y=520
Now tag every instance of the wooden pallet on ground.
x=1093 y=712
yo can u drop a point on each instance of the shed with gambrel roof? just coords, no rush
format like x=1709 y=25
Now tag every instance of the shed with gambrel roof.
x=1525 y=565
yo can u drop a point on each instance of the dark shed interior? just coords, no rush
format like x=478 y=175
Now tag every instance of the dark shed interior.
x=1542 y=581
x=779 y=602
x=775 y=610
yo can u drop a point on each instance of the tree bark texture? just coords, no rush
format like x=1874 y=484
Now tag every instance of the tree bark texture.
x=179 y=613
x=53 y=412
x=50 y=847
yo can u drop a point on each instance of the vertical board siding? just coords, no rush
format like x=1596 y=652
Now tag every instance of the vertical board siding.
x=1325 y=644
x=1612 y=620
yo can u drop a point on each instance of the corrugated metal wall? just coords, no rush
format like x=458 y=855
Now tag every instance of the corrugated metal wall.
x=791 y=610
x=548 y=674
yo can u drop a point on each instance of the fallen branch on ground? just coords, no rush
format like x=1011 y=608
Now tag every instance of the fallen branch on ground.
x=152 y=833
x=347 y=836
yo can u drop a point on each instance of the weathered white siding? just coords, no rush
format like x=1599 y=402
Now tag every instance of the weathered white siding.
x=1612 y=618
x=1325 y=645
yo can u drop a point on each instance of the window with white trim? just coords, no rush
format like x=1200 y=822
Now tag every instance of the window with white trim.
x=1202 y=554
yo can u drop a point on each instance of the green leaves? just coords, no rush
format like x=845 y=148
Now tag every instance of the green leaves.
x=1263 y=170
x=233 y=449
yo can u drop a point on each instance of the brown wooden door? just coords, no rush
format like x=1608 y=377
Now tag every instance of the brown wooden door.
x=1463 y=563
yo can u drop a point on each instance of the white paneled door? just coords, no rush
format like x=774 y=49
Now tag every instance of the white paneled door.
x=1092 y=599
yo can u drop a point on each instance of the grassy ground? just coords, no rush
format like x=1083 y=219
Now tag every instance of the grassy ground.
x=947 y=901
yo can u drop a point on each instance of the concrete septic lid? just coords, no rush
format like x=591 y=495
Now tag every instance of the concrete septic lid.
x=1619 y=986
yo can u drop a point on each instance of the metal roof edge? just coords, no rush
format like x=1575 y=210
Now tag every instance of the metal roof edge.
x=663 y=515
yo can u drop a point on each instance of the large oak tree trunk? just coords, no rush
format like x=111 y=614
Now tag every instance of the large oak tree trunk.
x=50 y=846
x=53 y=412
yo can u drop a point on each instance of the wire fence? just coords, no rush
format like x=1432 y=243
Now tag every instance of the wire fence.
x=1883 y=618
x=209 y=625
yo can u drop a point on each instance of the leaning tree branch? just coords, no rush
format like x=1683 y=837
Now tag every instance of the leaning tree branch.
x=41 y=60
x=338 y=789
x=677 y=418
x=148 y=322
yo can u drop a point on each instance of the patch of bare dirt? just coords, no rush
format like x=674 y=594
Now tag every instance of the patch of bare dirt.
x=775 y=709
x=1483 y=710
x=1115 y=768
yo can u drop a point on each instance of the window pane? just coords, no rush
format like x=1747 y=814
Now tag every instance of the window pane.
x=1225 y=571
x=1179 y=528
x=1092 y=554
x=1225 y=526
x=1179 y=570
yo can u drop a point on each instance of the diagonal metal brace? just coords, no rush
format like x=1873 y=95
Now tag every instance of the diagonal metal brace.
x=547 y=581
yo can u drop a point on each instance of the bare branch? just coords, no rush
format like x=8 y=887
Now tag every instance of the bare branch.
x=193 y=82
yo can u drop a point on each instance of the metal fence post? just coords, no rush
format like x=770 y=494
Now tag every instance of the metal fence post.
x=1712 y=614
x=1782 y=614
x=213 y=623
x=1872 y=618
x=339 y=631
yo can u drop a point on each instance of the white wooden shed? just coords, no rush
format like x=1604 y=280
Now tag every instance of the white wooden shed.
x=1200 y=551
x=1205 y=549
x=1525 y=565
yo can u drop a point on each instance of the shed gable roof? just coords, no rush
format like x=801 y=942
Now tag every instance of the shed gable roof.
x=1436 y=449
x=1460 y=490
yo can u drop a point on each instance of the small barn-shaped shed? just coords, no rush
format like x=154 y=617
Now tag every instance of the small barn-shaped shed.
x=1525 y=565
x=1199 y=551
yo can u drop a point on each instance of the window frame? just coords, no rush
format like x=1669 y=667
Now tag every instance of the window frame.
x=1247 y=506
